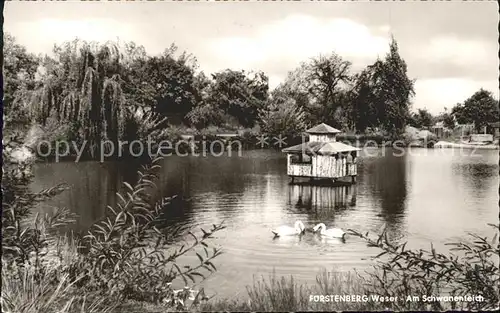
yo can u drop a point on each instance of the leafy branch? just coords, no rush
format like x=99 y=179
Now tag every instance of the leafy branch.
x=469 y=269
x=131 y=255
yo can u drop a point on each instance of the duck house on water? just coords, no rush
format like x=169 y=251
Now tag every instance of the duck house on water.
x=322 y=157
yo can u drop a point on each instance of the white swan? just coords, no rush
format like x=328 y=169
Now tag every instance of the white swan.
x=332 y=232
x=289 y=231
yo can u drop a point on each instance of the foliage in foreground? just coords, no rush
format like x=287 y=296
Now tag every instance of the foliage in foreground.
x=474 y=271
x=46 y=289
x=470 y=269
x=126 y=256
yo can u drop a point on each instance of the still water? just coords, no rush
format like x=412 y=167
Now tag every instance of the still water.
x=427 y=195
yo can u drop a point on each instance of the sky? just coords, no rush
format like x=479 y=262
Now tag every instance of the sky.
x=451 y=48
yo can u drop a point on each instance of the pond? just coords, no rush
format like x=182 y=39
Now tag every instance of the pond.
x=423 y=196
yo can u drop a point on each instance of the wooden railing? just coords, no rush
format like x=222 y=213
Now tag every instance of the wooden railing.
x=296 y=169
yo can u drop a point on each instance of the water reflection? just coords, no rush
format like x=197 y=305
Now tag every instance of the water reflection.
x=288 y=241
x=387 y=178
x=308 y=239
x=324 y=201
x=479 y=176
x=318 y=239
x=93 y=186
x=318 y=197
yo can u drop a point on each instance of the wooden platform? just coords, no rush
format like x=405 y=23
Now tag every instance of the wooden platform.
x=344 y=181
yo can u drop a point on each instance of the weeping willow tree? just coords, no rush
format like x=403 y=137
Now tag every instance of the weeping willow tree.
x=82 y=87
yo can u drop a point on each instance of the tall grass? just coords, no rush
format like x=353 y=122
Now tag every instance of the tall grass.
x=48 y=287
x=280 y=294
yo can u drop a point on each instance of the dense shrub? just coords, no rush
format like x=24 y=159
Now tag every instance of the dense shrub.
x=282 y=117
x=248 y=137
x=205 y=115
x=469 y=269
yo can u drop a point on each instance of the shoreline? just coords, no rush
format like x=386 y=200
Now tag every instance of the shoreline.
x=227 y=153
x=451 y=145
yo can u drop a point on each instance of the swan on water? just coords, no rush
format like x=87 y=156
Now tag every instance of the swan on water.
x=332 y=232
x=289 y=231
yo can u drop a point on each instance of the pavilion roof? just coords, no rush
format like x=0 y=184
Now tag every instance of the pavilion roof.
x=322 y=148
x=323 y=129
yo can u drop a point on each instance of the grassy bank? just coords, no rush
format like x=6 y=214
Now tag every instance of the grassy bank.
x=280 y=294
x=271 y=294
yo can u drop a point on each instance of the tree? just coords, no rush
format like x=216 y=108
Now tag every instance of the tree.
x=91 y=87
x=328 y=76
x=448 y=121
x=421 y=119
x=20 y=68
x=282 y=117
x=481 y=108
x=382 y=93
x=321 y=87
x=363 y=110
x=172 y=81
x=204 y=115
x=446 y=118
x=137 y=86
x=395 y=89
x=19 y=73
x=294 y=88
x=83 y=86
x=239 y=95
